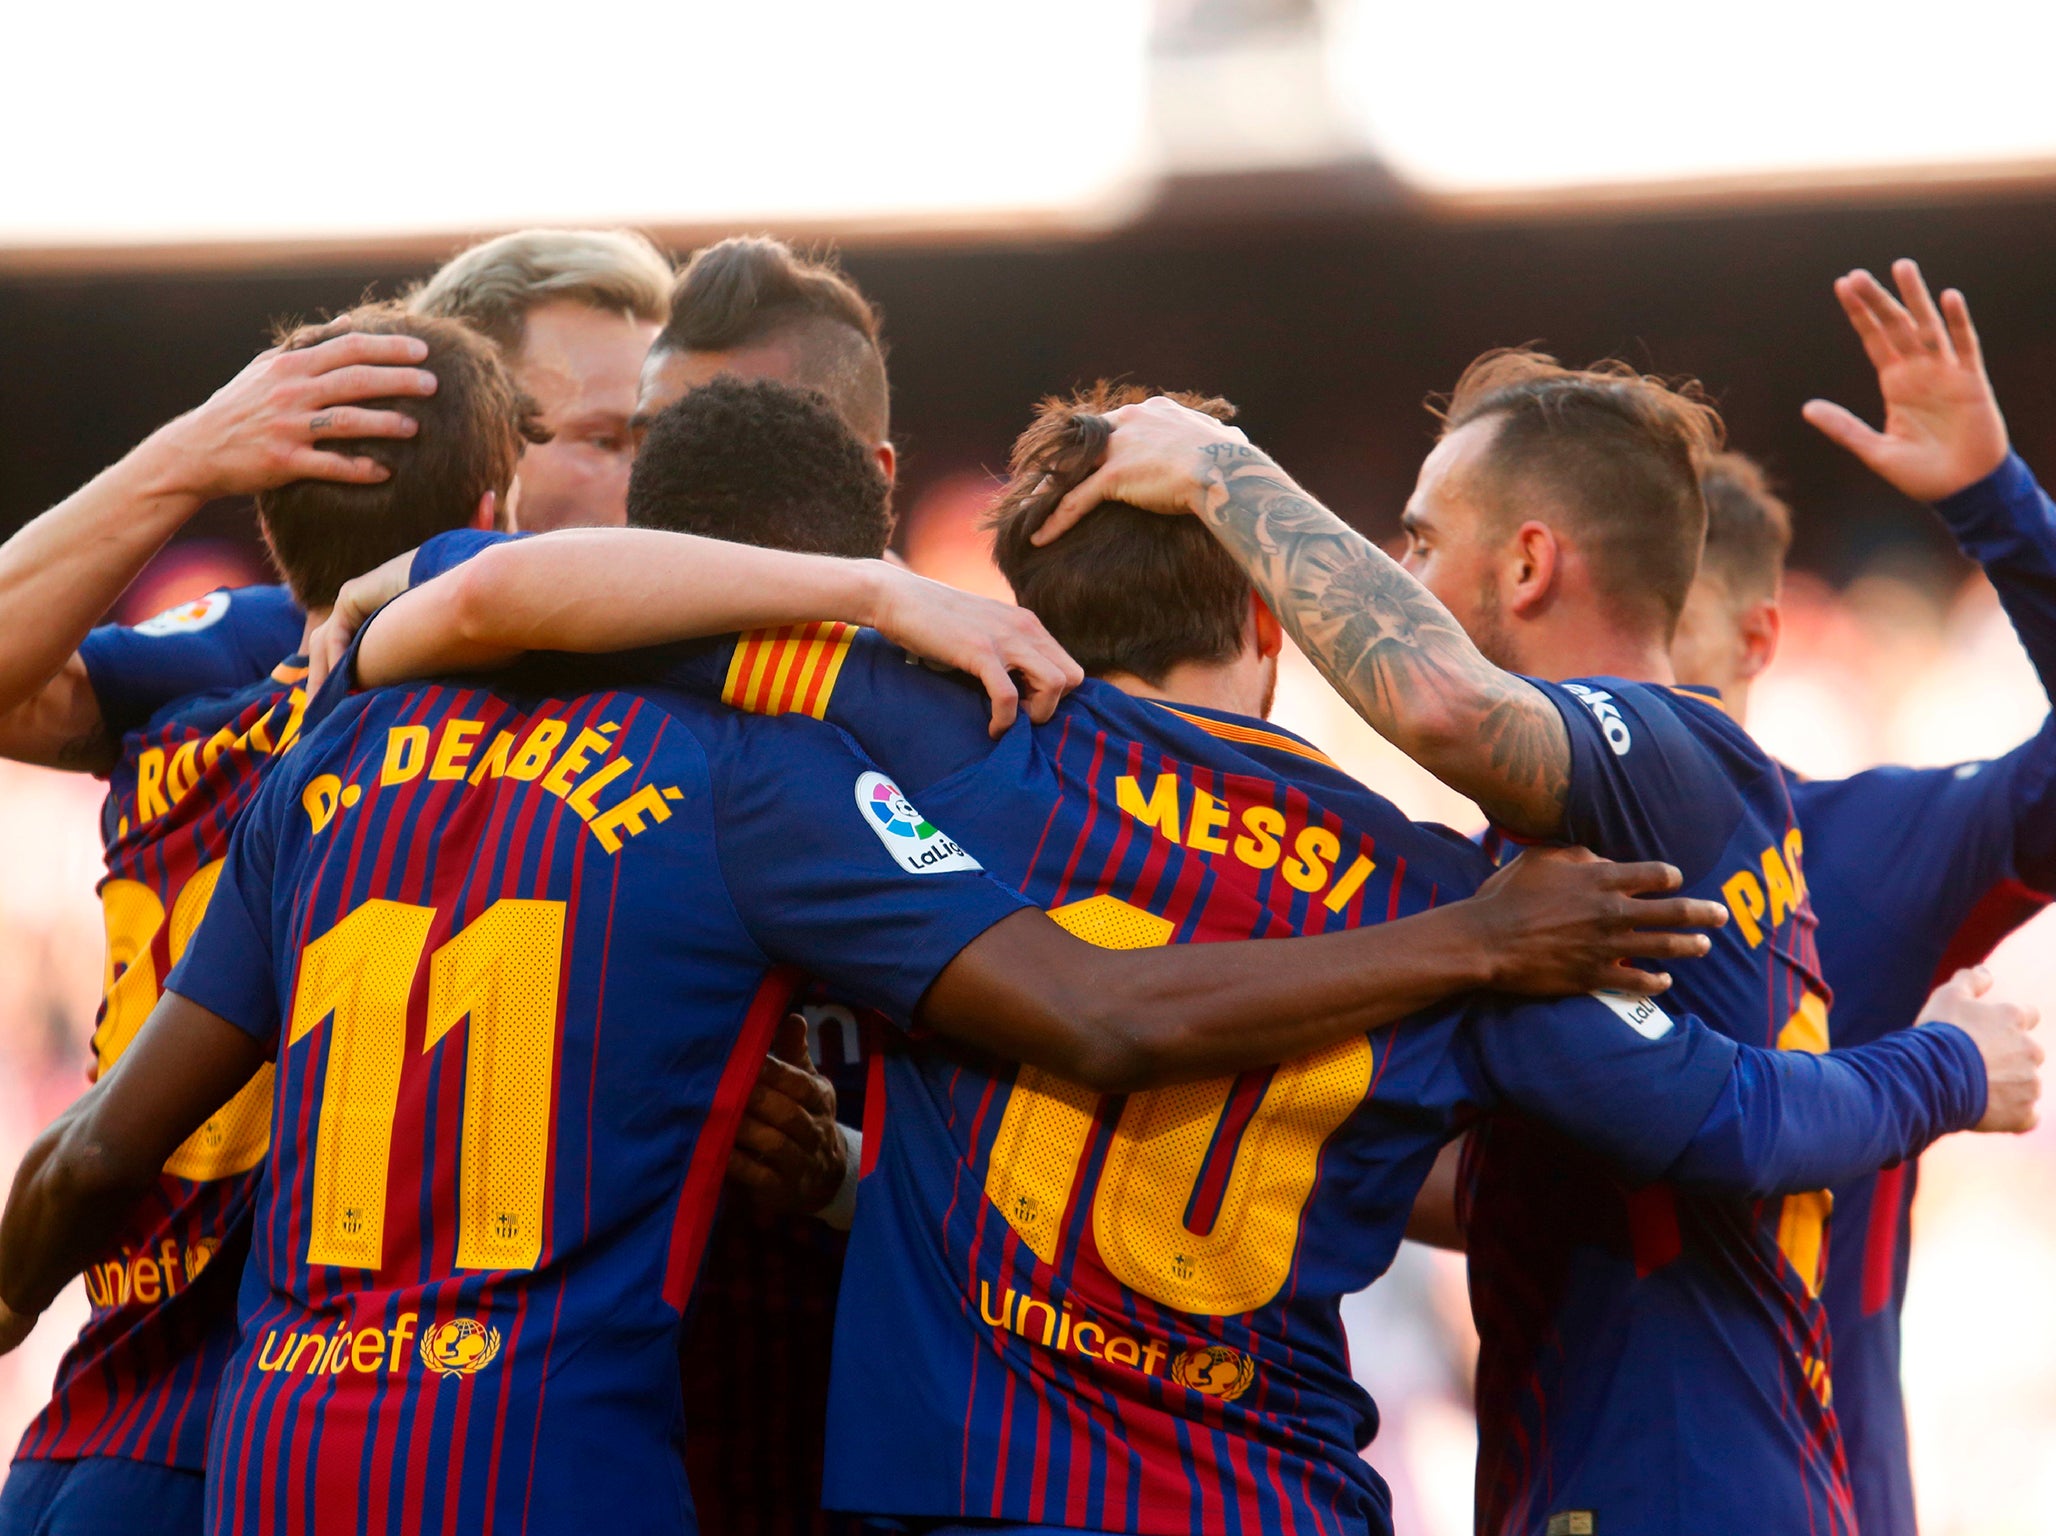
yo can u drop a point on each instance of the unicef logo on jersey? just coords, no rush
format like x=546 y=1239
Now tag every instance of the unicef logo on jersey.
x=916 y=844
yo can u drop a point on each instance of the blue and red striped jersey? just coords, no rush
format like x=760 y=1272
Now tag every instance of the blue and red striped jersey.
x=518 y=956
x=1655 y=1359
x=757 y=1341
x=1915 y=872
x=1122 y=1312
x=200 y=716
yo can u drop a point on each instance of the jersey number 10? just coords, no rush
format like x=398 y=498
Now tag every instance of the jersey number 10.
x=502 y=973
x=1162 y=1146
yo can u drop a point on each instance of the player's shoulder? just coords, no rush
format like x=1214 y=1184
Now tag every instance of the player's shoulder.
x=225 y=641
x=1666 y=718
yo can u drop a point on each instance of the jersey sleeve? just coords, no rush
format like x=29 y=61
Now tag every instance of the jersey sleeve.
x=229 y=967
x=919 y=723
x=1644 y=784
x=226 y=640
x=447 y=551
x=2007 y=524
x=832 y=869
x=1614 y=1072
x=1796 y=1120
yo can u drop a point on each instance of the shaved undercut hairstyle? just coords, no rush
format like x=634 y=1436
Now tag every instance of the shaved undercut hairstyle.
x=492 y=286
x=1748 y=528
x=1124 y=590
x=1616 y=455
x=752 y=291
x=758 y=462
x=472 y=429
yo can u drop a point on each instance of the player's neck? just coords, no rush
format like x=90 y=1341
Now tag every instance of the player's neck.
x=1558 y=651
x=1232 y=687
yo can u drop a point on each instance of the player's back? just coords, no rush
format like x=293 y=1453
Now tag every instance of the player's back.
x=1120 y=1312
x=1913 y=873
x=1653 y=1359
x=199 y=717
x=520 y=977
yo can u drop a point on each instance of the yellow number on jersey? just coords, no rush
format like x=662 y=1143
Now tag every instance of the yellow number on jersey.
x=502 y=973
x=1158 y=1151
x=236 y=1136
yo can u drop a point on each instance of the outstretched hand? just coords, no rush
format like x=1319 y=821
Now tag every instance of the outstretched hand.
x=2000 y=1030
x=1161 y=457
x=357 y=600
x=994 y=642
x=1943 y=431
x=1559 y=921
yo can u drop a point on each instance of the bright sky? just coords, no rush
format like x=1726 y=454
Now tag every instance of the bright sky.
x=142 y=122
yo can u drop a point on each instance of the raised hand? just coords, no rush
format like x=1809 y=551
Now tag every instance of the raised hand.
x=1562 y=920
x=1943 y=431
x=788 y=1153
x=265 y=426
x=2013 y=1057
x=990 y=640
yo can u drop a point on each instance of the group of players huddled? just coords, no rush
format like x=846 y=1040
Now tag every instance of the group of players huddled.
x=689 y=1025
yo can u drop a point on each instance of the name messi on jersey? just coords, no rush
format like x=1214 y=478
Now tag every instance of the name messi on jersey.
x=1189 y=816
x=452 y=751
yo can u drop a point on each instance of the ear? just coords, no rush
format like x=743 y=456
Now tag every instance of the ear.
x=888 y=460
x=487 y=517
x=1270 y=634
x=1762 y=625
x=1533 y=563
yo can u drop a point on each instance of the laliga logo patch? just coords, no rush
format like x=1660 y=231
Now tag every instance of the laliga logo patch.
x=917 y=845
x=461 y=1347
x=186 y=618
x=1639 y=1013
x=1217 y=1370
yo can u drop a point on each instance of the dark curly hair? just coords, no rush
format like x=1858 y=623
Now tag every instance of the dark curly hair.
x=1125 y=590
x=757 y=462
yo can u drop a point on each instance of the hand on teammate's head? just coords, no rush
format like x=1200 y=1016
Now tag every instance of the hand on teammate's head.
x=1558 y=921
x=2012 y=1055
x=1160 y=456
x=266 y=426
x=1004 y=646
x=788 y=1152
x=1943 y=431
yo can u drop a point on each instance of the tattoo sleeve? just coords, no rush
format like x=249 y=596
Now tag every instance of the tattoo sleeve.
x=1388 y=647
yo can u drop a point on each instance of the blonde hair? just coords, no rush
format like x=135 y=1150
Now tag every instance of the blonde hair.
x=493 y=285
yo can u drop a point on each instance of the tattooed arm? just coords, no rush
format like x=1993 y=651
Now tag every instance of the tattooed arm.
x=1384 y=642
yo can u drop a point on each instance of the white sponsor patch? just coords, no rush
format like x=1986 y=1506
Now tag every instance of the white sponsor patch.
x=917 y=845
x=186 y=617
x=1639 y=1013
x=1607 y=713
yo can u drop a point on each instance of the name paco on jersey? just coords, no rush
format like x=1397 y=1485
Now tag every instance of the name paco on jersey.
x=1653 y=1359
x=518 y=957
x=1121 y=1312
x=202 y=703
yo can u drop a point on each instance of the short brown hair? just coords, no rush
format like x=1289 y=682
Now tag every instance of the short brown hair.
x=492 y=286
x=1748 y=526
x=752 y=289
x=1617 y=452
x=1125 y=590
x=322 y=533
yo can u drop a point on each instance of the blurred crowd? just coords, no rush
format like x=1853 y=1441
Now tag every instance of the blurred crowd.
x=1909 y=665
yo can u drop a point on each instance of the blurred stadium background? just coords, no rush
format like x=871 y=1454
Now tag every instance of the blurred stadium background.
x=1321 y=210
